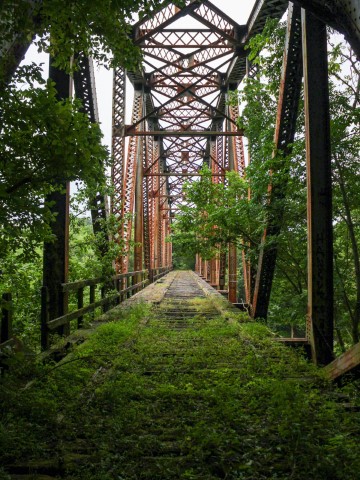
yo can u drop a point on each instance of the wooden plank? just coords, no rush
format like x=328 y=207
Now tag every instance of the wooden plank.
x=78 y=313
x=347 y=362
x=90 y=308
x=292 y=340
x=74 y=286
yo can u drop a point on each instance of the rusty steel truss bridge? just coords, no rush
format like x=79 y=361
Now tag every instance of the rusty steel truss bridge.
x=193 y=58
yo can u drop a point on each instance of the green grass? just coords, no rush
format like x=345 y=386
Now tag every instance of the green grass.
x=219 y=400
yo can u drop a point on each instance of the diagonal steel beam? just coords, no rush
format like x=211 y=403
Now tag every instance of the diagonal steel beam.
x=290 y=88
x=343 y=15
x=84 y=83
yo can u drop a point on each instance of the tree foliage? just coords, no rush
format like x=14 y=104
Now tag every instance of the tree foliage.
x=100 y=29
x=210 y=219
x=216 y=214
x=43 y=142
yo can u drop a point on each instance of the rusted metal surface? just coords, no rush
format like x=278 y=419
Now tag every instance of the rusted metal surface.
x=129 y=182
x=291 y=81
x=236 y=164
x=232 y=273
x=85 y=90
x=182 y=133
x=183 y=88
x=343 y=15
x=181 y=106
x=118 y=144
x=319 y=200
x=185 y=119
x=56 y=253
x=138 y=207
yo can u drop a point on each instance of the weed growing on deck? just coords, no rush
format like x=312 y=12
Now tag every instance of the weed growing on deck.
x=216 y=400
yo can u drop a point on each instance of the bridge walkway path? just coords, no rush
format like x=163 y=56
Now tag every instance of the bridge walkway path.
x=177 y=384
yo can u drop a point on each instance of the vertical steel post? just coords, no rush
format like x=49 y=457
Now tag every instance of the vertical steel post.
x=196 y=263
x=232 y=273
x=213 y=279
x=222 y=268
x=232 y=255
x=156 y=204
x=217 y=262
x=118 y=150
x=118 y=141
x=147 y=200
x=319 y=203
x=56 y=253
x=168 y=244
x=165 y=250
x=289 y=94
x=139 y=213
x=153 y=195
x=161 y=234
x=129 y=175
x=215 y=170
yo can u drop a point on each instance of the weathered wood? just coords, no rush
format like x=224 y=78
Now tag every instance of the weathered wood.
x=103 y=296
x=74 y=286
x=6 y=318
x=78 y=313
x=44 y=318
x=161 y=272
x=65 y=319
x=347 y=362
x=80 y=305
x=78 y=287
x=92 y=299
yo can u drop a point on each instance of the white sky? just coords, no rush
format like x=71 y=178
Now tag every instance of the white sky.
x=237 y=10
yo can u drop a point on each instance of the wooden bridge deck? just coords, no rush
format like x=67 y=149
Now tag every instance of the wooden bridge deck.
x=184 y=392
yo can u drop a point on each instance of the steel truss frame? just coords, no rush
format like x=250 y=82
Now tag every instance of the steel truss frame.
x=290 y=87
x=180 y=120
x=186 y=122
x=182 y=90
x=85 y=90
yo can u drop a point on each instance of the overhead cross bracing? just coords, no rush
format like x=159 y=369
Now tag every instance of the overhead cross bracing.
x=194 y=57
x=181 y=119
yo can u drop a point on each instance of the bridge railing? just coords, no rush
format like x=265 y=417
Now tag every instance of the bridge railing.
x=6 y=320
x=82 y=298
x=157 y=273
x=112 y=292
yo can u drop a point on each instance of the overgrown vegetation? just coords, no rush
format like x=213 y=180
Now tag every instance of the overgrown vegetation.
x=46 y=142
x=216 y=214
x=141 y=401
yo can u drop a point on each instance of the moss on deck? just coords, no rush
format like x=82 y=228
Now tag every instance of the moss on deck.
x=141 y=399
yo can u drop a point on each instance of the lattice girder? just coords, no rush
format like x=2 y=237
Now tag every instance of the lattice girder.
x=129 y=179
x=184 y=78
